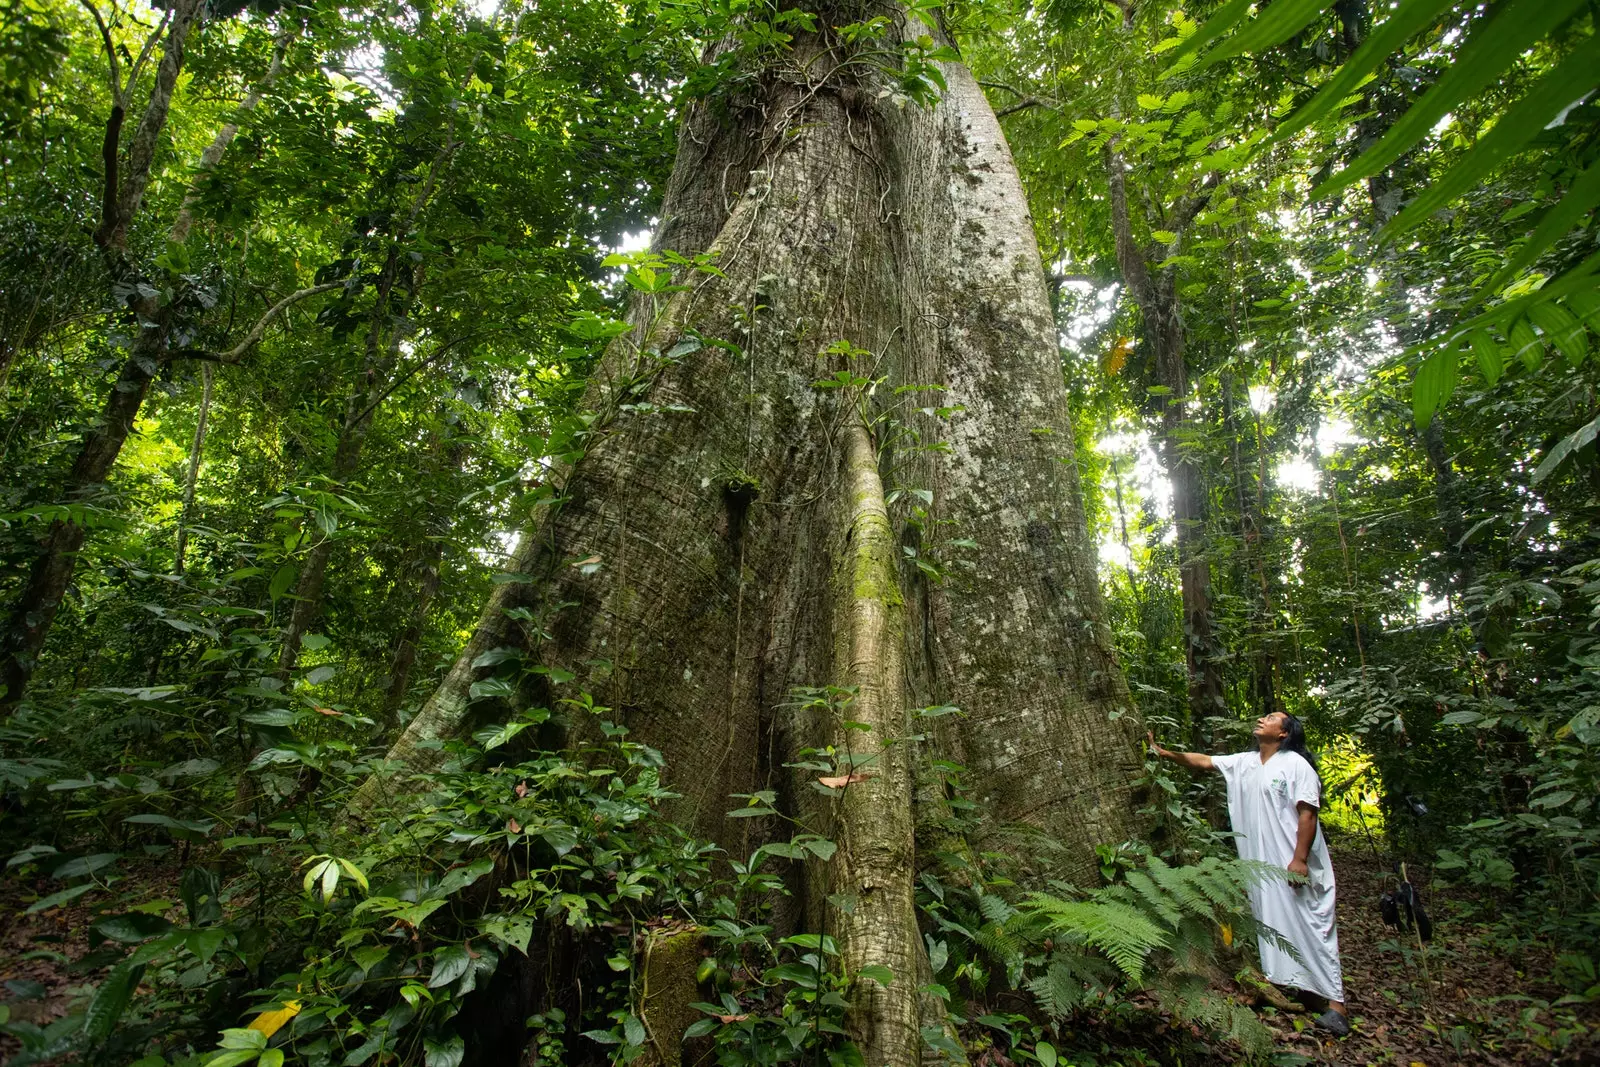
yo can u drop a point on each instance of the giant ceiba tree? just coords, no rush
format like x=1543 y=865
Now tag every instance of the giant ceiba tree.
x=912 y=536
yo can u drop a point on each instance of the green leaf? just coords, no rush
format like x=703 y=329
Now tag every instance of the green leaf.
x=750 y=813
x=111 y=1000
x=496 y=656
x=185 y=827
x=1488 y=353
x=1277 y=23
x=449 y=963
x=448 y=1053
x=132 y=928
x=1048 y=1057
x=83 y=865
x=1526 y=344
x=57 y=899
x=1569 y=444
x=1215 y=26
x=1510 y=29
x=205 y=943
x=877 y=972
x=1562 y=330
x=282 y=580
x=1570 y=80
x=232 y=1059
x=1436 y=380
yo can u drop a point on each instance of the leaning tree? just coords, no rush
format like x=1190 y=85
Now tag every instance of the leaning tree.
x=840 y=464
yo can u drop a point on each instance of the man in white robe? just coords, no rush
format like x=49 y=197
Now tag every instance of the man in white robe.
x=1274 y=795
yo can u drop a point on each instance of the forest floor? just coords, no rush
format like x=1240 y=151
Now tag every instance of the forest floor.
x=1494 y=999
x=1493 y=996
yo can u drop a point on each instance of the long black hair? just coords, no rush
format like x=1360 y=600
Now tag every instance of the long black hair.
x=1294 y=740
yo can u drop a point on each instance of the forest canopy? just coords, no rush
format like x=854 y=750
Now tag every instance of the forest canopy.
x=596 y=532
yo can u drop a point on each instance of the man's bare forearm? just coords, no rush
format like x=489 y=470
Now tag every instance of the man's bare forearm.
x=1307 y=832
x=1195 y=761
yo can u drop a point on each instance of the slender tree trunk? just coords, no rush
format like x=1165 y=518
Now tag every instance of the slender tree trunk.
x=360 y=410
x=196 y=453
x=1157 y=298
x=731 y=543
x=51 y=574
x=426 y=571
x=1264 y=668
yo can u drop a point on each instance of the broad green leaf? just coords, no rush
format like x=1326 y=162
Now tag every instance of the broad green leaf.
x=1561 y=330
x=1488 y=353
x=1573 y=78
x=1525 y=344
x=449 y=963
x=132 y=928
x=1275 y=24
x=1582 y=436
x=83 y=865
x=57 y=899
x=877 y=972
x=447 y=1053
x=1436 y=380
x=1510 y=29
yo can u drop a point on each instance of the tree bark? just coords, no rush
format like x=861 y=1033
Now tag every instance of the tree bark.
x=1157 y=298
x=360 y=408
x=693 y=574
x=426 y=571
x=51 y=573
x=196 y=454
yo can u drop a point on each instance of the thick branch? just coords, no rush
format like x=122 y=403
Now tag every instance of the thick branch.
x=219 y=144
x=234 y=354
x=108 y=190
x=1024 y=104
x=137 y=69
x=115 y=74
x=142 y=149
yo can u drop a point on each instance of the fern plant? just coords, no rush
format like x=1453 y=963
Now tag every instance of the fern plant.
x=1162 y=929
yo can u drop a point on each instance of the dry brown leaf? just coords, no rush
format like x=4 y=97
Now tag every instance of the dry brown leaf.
x=842 y=780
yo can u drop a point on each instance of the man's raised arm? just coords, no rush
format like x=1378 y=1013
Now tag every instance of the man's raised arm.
x=1195 y=761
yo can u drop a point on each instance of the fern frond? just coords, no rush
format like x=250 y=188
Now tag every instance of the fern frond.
x=1153 y=898
x=1178 y=882
x=995 y=909
x=1059 y=990
x=1122 y=932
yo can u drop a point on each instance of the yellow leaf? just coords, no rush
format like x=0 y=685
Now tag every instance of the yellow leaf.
x=269 y=1022
x=1227 y=935
x=1118 y=356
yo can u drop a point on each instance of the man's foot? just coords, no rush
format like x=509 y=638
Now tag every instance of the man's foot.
x=1334 y=1023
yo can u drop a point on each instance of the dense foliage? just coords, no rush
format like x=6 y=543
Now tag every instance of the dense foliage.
x=298 y=303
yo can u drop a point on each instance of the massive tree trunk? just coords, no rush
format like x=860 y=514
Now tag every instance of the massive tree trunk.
x=726 y=538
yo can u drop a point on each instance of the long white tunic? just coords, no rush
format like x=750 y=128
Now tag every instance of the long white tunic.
x=1263 y=801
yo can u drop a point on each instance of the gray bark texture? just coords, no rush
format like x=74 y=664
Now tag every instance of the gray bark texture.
x=744 y=541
